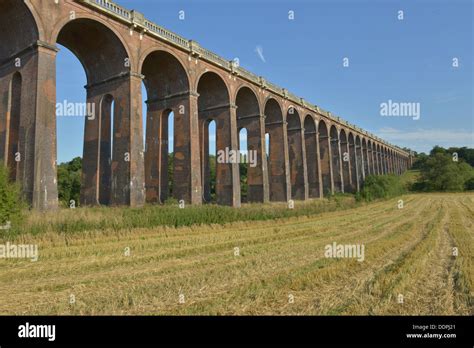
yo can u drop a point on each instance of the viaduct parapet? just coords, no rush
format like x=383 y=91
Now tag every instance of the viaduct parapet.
x=311 y=152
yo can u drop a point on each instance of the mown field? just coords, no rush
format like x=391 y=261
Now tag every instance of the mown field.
x=280 y=267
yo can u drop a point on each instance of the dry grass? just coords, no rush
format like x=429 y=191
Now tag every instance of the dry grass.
x=407 y=251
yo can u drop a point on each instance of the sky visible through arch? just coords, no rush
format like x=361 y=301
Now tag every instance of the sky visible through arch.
x=402 y=61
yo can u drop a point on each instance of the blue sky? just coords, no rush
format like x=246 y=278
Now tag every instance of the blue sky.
x=409 y=60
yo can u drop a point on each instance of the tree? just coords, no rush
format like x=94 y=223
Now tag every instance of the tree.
x=464 y=153
x=381 y=186
x=69 y=181
x=437 y=149
x=441 y=173
x=420 y=161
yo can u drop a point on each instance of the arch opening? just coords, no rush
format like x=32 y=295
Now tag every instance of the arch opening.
x=353 y=164
x=214 y=104
x=336 y=160
x=312 y=160
x=276 y=151
x=249 y=118
x=370 y=149
x=360 y=160
x=379 y=158
x=325 y=158
x=103 y=57
x=71 y=113
x=366 y=159
x=167 y=155
x=105 y=108
x=295 y=154
x=346 y=161
x=243 y=165
x=209 y=162
x=383 y=160
x=18 y=29
x=106 y=148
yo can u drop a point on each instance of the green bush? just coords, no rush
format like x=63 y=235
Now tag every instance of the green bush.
x=69 y=181
x=469 y=186
x=441 y=173
x=11 y=204
x=381 y=187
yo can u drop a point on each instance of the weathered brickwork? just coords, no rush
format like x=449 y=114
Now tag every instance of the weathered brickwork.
x=311 y=152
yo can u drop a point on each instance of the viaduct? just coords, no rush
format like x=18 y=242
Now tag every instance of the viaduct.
x=311 y=152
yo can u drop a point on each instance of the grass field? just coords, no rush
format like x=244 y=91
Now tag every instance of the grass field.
x=280 y=267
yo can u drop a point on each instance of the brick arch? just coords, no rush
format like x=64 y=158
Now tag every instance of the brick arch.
x=345 y=160
x=392 y=161
x=276 y=108
x=59 y=26
x=353 y=162
x=243 y=86
x=336 y=158
x=312 y=160
x=384 y=159
x=199 y=75
x=19 y=28
x=98 y=47
x=370 y=150
x=296 y=153
x=325 y=157
x=246 y=101
x=212 y=89
x=296 y=111
x=310 y=118
x=271 y=98
x=389 y=160
x=249 y=118
x=103 y=54
x=366 y=160
x=277 y=166
x=378 y=159
x=168 y=91
x=159 y=48
x=360 y=159
x=164 y=75
x=293 y=119
x=214 y=105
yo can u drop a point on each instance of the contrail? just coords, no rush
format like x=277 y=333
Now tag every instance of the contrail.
x=259 y=51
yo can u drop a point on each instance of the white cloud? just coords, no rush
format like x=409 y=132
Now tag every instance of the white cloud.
x=259 y=50
x=423 y=140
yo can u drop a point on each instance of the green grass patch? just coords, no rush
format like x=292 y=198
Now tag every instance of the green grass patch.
x=85 y=219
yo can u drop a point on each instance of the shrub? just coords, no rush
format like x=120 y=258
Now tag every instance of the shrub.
x=69 y=181
x=470 y=184
x=441 y=173
x=11 y=205
x=381 y=187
